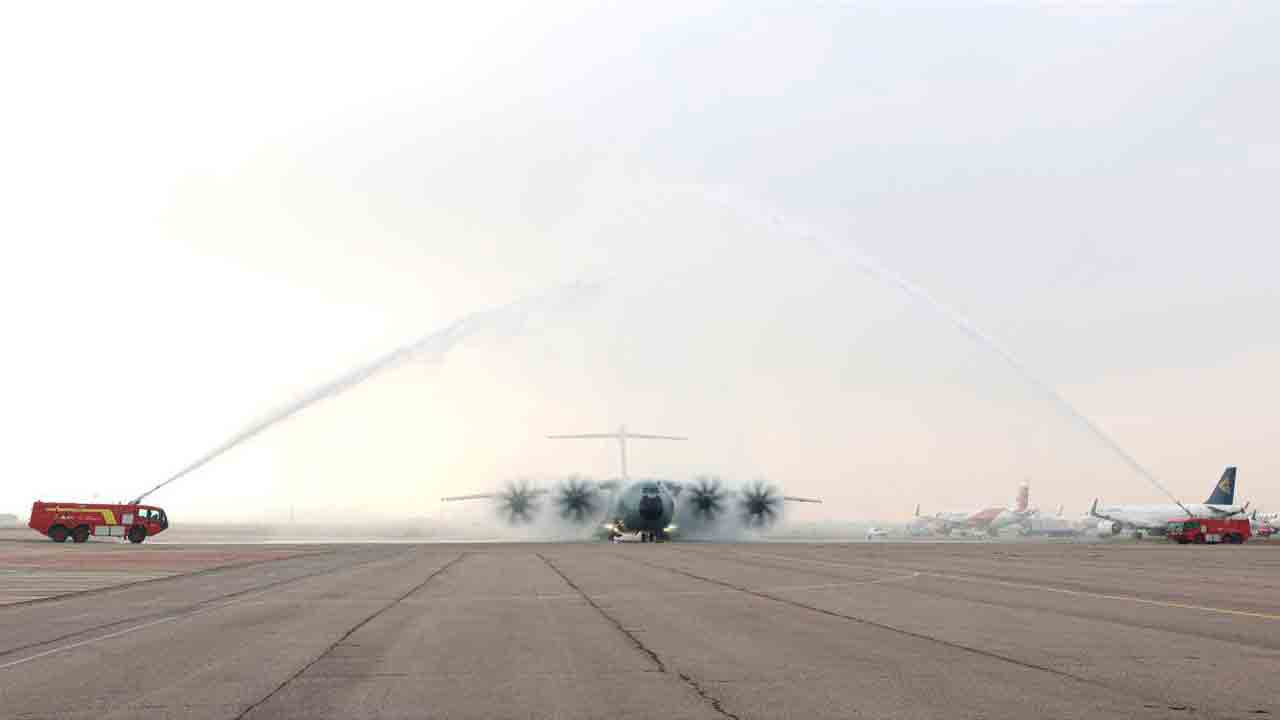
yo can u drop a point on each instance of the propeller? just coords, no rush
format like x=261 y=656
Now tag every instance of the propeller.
x=759 y=504
x=517 y=502
x=707 y=498
x=577 y=498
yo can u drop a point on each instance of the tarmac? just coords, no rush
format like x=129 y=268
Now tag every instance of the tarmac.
x=672 y=630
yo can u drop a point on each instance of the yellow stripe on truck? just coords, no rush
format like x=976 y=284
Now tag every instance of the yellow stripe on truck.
x=108 y=516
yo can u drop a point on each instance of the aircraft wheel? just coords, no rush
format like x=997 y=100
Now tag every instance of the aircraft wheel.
x=137 y=534
x=58 y=534
x=80 y=534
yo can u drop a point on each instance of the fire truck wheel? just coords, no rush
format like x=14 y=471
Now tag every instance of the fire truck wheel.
x=137 y=534
x=80 y=534
x=57 y=533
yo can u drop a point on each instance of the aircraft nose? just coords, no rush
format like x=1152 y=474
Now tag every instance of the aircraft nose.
x=651 y=507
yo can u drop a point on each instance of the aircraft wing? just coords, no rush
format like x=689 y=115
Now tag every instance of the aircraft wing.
x=482 y=496
x=478 y=496
x=792 y=498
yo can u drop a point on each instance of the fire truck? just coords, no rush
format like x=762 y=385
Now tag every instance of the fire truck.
x=78 y=521
x=1208 y=530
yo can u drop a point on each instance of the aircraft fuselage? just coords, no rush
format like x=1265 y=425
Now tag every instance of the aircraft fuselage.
x=643 y=506
x=1153 y=517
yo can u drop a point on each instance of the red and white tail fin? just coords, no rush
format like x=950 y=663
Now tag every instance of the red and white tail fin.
x=1024 y=497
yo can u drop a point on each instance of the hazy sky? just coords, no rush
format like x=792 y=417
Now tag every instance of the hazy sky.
x=209 y=209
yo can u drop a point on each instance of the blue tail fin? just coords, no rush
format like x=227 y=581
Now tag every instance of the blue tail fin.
x=1225 y=492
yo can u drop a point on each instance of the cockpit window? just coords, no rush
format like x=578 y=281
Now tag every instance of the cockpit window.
x=650 y=488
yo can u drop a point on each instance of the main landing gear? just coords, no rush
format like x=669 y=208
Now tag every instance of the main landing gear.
x=658 y=536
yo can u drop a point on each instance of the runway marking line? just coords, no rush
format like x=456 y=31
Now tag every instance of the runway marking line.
x=100 y=638
x=1044 y=588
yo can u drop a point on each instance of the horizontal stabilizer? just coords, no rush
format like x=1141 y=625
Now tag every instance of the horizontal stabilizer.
x=656 y=437
x=584 y=436
x=615 y=436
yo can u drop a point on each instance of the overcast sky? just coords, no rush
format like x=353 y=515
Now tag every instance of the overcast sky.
x=209 y=209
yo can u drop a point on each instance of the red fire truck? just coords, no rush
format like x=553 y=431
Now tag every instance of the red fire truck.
x=1208 y=530
x=79 y=520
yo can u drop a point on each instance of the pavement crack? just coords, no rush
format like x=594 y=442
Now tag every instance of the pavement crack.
x=909 y=633
x=396 y=601
x=639 y=644
x=711 y=701
x=702 y=693
x=192 y=608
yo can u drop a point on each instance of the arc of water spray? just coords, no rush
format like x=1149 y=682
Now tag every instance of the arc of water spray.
x=968 y=328
x=876 y=269
x=434 y=345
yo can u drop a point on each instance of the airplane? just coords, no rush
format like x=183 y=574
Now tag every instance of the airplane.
x=989 y=520
x=1264 y=524
x=1153 y=519
x=652 y=509
x=876 y=533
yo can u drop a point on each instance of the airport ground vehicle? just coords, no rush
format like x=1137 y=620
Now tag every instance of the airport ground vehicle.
x=62 y=520
x=1208 y=530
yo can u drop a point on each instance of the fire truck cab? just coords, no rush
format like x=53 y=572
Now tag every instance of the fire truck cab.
x=59 y=521
x=1208 y=530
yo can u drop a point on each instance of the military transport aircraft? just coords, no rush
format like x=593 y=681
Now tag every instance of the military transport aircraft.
x=1153 y=519
x=652 y=509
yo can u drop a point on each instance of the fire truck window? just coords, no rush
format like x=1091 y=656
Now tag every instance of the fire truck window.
x=144 y=514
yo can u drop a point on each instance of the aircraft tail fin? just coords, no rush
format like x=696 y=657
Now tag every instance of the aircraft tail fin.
x=1024 y=497
x=917 y=510
x=1224 y=493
